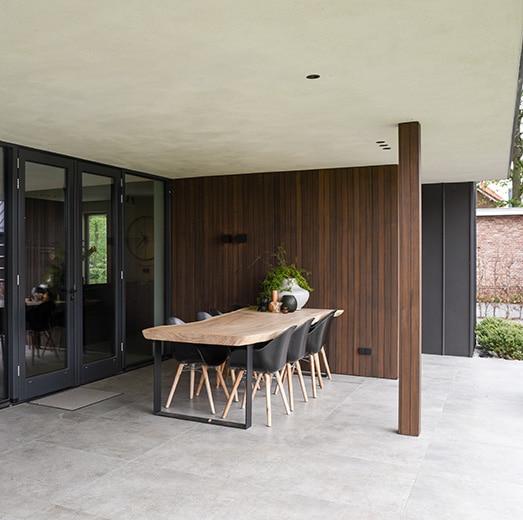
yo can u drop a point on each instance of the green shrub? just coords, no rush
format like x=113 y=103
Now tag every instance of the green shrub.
x=501 y=338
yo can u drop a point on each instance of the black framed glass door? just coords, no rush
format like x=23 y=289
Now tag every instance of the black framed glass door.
x=144 y=266
x=46 y=354
x=3 y=300
x=70 y=280
x=89 y=265
x=100 y=273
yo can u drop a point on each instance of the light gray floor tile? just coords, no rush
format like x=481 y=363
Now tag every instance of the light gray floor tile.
x=338 y=456
x=448 y=496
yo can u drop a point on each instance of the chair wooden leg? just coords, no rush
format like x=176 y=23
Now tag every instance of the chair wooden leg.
x=255 y=387
x=224 y=371
x=200 y=385
x=302 y=382
x=325 y=362
x=174 y=385
x=313 y=374
x=234 y=392
x=221 y=381
x=282 y=391
x=208 y=388
x=233 y=377
x=268 y=379
x=191 y=384
x=318 y=369
x=288 y=372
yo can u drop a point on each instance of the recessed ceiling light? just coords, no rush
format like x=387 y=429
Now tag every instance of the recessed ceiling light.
x=313 y=76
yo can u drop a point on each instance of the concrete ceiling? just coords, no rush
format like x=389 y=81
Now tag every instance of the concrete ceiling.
x=208 y=87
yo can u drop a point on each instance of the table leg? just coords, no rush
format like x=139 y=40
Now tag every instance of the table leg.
x=248 y=389
x=157 y=393
x=157 y=389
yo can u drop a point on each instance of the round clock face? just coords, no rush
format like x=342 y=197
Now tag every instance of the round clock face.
x=140 y=238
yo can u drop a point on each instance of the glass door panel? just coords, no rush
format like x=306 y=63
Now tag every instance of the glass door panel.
x=144 y=264
x=45 y=269
x=99 y=277
x=3 y=306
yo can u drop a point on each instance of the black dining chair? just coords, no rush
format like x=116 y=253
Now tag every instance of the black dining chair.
x=268 y=360
x=296 y=352
x=203 y=315
x=195 y=356
x=316 y=339
x=39 y=322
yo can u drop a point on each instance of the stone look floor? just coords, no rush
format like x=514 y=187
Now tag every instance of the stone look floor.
x=336 y=457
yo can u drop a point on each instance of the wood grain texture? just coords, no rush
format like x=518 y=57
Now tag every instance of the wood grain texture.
x=234 y=329
x=409 y=196
x=340 y=224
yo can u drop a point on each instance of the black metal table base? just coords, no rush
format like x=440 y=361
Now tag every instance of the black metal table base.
x=157 y=395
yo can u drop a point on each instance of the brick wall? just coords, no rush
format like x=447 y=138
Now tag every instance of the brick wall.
x=499 y=253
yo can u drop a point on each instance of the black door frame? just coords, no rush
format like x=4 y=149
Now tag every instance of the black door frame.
x=95 y=370
x=15 y=243
x=63 y=378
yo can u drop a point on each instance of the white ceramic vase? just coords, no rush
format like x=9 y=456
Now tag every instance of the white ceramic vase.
x=290 y=286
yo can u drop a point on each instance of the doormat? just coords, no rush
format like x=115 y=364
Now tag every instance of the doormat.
x=75 y=398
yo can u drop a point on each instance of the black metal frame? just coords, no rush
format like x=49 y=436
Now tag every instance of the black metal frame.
x=157 y=393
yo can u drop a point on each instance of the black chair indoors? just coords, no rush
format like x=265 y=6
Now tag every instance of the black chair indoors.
x=297 y=351
x=316 y=340
x=268 y=360
x=193 y=357
x=203 y=315
x=39 y=322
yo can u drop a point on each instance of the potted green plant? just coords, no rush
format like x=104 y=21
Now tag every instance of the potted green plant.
x=285 y=278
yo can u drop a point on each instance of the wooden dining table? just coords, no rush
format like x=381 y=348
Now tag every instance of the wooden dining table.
x=241 y=328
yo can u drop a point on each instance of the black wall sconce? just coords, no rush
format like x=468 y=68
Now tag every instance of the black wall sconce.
x=229 y=239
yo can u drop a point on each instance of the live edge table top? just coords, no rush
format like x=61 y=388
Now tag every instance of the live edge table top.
x=242 y=327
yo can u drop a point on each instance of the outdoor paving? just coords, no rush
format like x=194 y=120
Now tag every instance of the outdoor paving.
x=336 y=457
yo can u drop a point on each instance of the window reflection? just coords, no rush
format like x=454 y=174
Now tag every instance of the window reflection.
x=45 y=268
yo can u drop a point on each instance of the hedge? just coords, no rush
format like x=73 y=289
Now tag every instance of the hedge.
x=500 y=338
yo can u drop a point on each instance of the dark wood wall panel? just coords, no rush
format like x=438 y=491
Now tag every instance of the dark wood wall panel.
x=340 y=224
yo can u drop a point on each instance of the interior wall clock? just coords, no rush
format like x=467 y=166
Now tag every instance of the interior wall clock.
x=139 y=238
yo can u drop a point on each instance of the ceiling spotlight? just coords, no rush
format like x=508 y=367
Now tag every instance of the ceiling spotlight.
x=313 y=76
x=383 y=145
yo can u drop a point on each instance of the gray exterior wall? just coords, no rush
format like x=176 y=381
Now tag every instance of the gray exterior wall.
x=449 y=268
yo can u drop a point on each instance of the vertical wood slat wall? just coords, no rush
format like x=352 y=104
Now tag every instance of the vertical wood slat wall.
x=340 y=224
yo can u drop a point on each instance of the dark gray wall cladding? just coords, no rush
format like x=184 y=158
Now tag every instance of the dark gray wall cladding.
x=449 y=268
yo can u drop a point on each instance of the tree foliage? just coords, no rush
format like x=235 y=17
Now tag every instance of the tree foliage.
x=516 y=172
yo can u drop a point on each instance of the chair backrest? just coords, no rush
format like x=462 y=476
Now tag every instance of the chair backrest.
x=203 y=315
x=183 y=352
x=318 y=334
x=298 y=342
x=174 y=320
x=38 y=318
x=273 y=356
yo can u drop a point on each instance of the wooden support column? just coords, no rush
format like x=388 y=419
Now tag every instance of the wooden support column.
x=409 y=336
